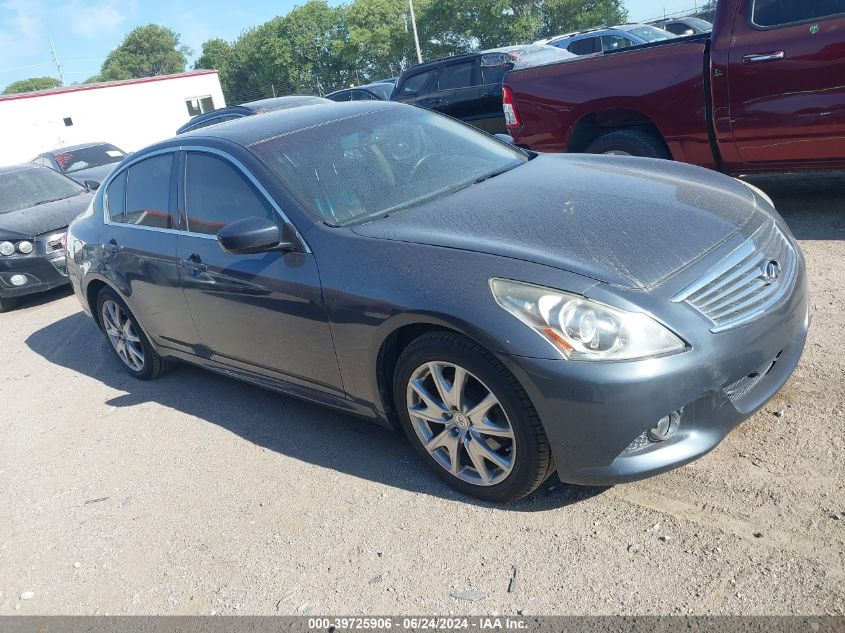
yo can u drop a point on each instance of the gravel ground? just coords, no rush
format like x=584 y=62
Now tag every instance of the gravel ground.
x=196 y=494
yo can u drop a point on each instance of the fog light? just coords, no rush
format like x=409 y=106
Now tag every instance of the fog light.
x=18 y=280
x=25 y=247
x=666 y=427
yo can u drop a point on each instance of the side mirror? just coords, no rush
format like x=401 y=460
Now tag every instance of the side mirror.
x=91 y=185
x=256 y=235
x=506 y=138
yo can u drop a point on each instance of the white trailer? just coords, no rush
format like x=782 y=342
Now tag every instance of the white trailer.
x=130 y=114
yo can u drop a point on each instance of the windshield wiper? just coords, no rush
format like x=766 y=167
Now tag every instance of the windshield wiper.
x=498 y=172
x=40 y=202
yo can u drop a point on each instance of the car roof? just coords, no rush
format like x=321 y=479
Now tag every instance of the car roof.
x=276 y=103
x=251 y=130
x=71 y=148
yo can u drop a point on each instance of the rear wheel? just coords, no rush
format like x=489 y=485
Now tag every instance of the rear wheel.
x=630 y=142
x=126 y=338
x=7 y=304
x=469 y=419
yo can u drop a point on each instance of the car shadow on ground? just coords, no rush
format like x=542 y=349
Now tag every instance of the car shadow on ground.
x=813 y=205
x=291 y=427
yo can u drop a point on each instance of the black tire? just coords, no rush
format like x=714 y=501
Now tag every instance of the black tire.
x=7 y=304
x=154 y=365
x=533 y=462
x=630 y=141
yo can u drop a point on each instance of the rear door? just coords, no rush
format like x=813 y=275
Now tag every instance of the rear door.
x=457 y=91
x=139 y=248
x=493 y=67
x=262 y=312
x=787 y=82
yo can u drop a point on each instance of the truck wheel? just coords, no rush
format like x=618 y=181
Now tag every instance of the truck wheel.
x=7 y=304
x=627 y=142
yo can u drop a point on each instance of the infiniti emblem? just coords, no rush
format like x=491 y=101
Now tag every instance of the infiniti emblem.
x=770 y=272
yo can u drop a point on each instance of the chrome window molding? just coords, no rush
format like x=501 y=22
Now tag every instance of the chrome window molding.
x=206 y=150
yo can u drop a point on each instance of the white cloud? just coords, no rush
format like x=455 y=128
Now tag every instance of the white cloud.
x=21 y=33
x=97 y=19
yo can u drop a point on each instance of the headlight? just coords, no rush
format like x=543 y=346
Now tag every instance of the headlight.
x=582 y=329
x=759 y=192
x=25 y=247
x=7 y=248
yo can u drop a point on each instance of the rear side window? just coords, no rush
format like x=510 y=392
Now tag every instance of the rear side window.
x=414 y=84
x=343 y=96
x=456 y=76
x=148 y=193
x=217 y=194
x=583 y=47
x=782 y=12
x=116 y=198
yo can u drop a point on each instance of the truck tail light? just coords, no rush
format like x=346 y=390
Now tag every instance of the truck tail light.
x=511 y=114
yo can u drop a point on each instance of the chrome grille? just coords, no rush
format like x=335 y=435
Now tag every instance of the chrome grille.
x=747 y=283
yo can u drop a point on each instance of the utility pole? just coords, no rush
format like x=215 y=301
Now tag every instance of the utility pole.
x=56 y=61
x=416 y=36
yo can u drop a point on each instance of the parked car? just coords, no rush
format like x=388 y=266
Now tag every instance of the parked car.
x=514 y=313
x=251 y=108
x=36 y=205
x=377 y=91
x=89 y=161
x=469 y=87
x=762 y=93
x=608 y=39
x=685 y=26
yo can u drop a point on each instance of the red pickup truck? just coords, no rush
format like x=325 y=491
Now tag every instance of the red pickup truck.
x=765 y=92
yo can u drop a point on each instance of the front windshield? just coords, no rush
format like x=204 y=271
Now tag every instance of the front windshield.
x=650 y=33
x=378 y=162
x=31 y=187
x=87 y=157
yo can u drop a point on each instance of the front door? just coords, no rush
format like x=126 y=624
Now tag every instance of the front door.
x=457 y=92
x=261 y=312
x=787 y=81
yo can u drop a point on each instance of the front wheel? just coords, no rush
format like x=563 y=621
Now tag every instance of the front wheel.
x=469 y=418
x=629 y=142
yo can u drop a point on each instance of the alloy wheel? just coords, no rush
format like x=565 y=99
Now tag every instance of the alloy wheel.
x=123 y=335
x=461 y=423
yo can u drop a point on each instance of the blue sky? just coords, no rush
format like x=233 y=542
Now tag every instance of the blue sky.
x=84 y=31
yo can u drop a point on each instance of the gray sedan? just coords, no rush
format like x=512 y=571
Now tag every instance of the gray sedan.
x=514 y=314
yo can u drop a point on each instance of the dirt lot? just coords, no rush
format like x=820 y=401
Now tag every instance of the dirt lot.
x=199 y=494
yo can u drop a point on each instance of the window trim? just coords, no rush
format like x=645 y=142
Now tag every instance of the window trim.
x=760 y=27
x=179 y=165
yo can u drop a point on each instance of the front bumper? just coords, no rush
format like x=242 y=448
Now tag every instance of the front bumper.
x=593 y=412
x=43 y=273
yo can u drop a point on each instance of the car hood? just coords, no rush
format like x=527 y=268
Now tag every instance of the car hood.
x=27 y=223
x=93 y=173
x=631 y=222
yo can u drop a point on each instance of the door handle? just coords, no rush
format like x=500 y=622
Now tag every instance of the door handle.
x=763 y=57
x=194 y=264
x=435 y=101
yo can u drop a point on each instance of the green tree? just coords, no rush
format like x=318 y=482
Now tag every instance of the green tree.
x=31 y=84
x=215 y=55
x=146 y=51
x=561 y=16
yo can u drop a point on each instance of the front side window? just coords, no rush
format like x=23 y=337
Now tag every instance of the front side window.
x=650 y=33
x=614 y=42
x=32 y=187
x=148 y=200
x=217 y=194
x=782 y=12
x=413 y=85
x=455 y=76
x=381 y=162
